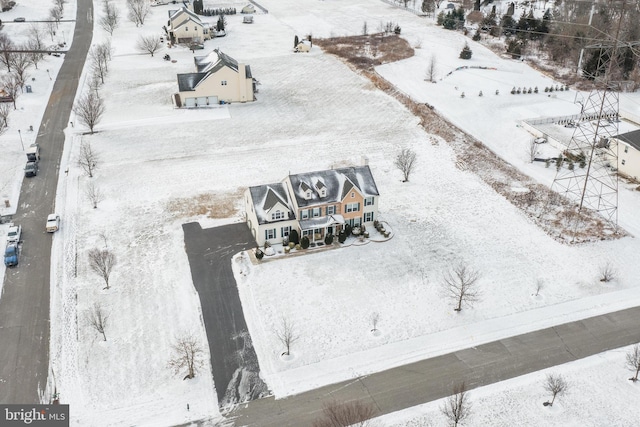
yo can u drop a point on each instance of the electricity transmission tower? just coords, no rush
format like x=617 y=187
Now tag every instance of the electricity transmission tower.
x=588 y=173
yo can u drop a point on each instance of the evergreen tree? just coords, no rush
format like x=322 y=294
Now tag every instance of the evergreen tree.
x=466 y=52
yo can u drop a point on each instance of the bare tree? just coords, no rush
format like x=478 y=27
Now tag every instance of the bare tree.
x=94 y=194
x=138 y=11
x=532 y=150
x=89 y=109
x=287 y=335
x=111 y=18
x=97 y=319
x=55 y=13
x=461 y=285
x=149 y=44
x=374 y=318
x=633 y=361
x=5 y=109
x=100 y=56
x=539 y=286
x=431 y=69
x=187 y=353
x=6 y=45
x=607 y=272
x=11 y=85
x=336 y=414
x=20 y=61
x=457 y=407
x=556 y=385
x=405 y=161
x=52 y=26
x=102 y=262
x=88 y=159
x=60 y=3
x=35 y=43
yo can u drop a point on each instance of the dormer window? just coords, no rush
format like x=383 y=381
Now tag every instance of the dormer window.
x=277 y=215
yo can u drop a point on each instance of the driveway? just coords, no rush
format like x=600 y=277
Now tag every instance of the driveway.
x=24 y=306
x=233 y=359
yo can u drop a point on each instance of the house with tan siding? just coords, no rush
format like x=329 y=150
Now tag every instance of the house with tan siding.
x=314 y=204
x=218 y=79
x=184 y=26
x=629 y=154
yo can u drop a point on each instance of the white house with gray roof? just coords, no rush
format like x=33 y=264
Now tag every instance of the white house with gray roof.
x=184 y=26
x=314 y=203
x=218 y=79
x=629 y=154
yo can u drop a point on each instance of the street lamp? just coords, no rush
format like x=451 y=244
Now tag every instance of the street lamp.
x=48 y=74
x=21 y=143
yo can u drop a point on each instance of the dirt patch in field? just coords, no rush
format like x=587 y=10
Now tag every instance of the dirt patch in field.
x=550 y=211
x=211 y=205
x=366 y=52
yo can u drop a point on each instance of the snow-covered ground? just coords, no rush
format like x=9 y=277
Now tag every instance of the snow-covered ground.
x=598 y=394
x=157 y=163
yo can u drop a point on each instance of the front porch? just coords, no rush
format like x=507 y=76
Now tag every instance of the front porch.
x=317 y=228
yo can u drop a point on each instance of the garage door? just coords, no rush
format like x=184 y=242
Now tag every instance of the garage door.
x=201 y=101
x=189 y=102
x=213 y=100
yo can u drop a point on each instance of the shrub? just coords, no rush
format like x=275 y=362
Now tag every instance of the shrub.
x=476 y=37
x=304 y=242
x=347 y=230
x=342 y=236
x=466 y=52
x=294 y=237
x=328 y=239
x=259 y=254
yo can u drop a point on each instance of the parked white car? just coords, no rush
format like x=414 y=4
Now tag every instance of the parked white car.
x=53 y=223
x=158 y=3
x=14 y=234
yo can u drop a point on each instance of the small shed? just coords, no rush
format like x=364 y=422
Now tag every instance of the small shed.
x=248 y=19
x=451 y=6
x=248 y=9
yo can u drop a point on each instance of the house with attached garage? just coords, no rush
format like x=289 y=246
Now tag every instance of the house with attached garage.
x=314 y=204
x=218 y=79
x=629 y=154
x=184 y=26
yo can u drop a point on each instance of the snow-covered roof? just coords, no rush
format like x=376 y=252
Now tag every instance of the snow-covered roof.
x=338 y=183
x=266 y=197
x=181 y=16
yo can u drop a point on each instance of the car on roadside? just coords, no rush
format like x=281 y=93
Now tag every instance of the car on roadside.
x=19 y=19
x=14 y=234
x=53 y=223
x=31 y=169
x=158 y=3
x=11 y=254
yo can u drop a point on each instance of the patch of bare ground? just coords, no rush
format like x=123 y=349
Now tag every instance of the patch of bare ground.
x=211 y=205
x=553 y=213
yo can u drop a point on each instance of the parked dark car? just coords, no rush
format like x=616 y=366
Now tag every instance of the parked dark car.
x=11 y=254
x=19 y=19
x=31 y=169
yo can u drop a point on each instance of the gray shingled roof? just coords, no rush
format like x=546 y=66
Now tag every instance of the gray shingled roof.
x=631 y=138
x=177 y=14
x=338 y=183
x=266 y=197
x=188 y=81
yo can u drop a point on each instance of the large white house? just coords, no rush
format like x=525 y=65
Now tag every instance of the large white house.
x=218 y=78
x=184 y=26
x=314 y=204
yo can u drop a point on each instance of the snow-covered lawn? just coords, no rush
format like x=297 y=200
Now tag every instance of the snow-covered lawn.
x=312 y=113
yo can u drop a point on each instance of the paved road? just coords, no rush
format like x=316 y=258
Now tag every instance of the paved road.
x=24 y=305
x=432 y=379
x=233 y=359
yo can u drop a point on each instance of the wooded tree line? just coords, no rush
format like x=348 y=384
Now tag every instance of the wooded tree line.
x=563 y=33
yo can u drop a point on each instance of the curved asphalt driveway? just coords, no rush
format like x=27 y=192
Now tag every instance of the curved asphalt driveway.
x=233 y=359
x=24 y=305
